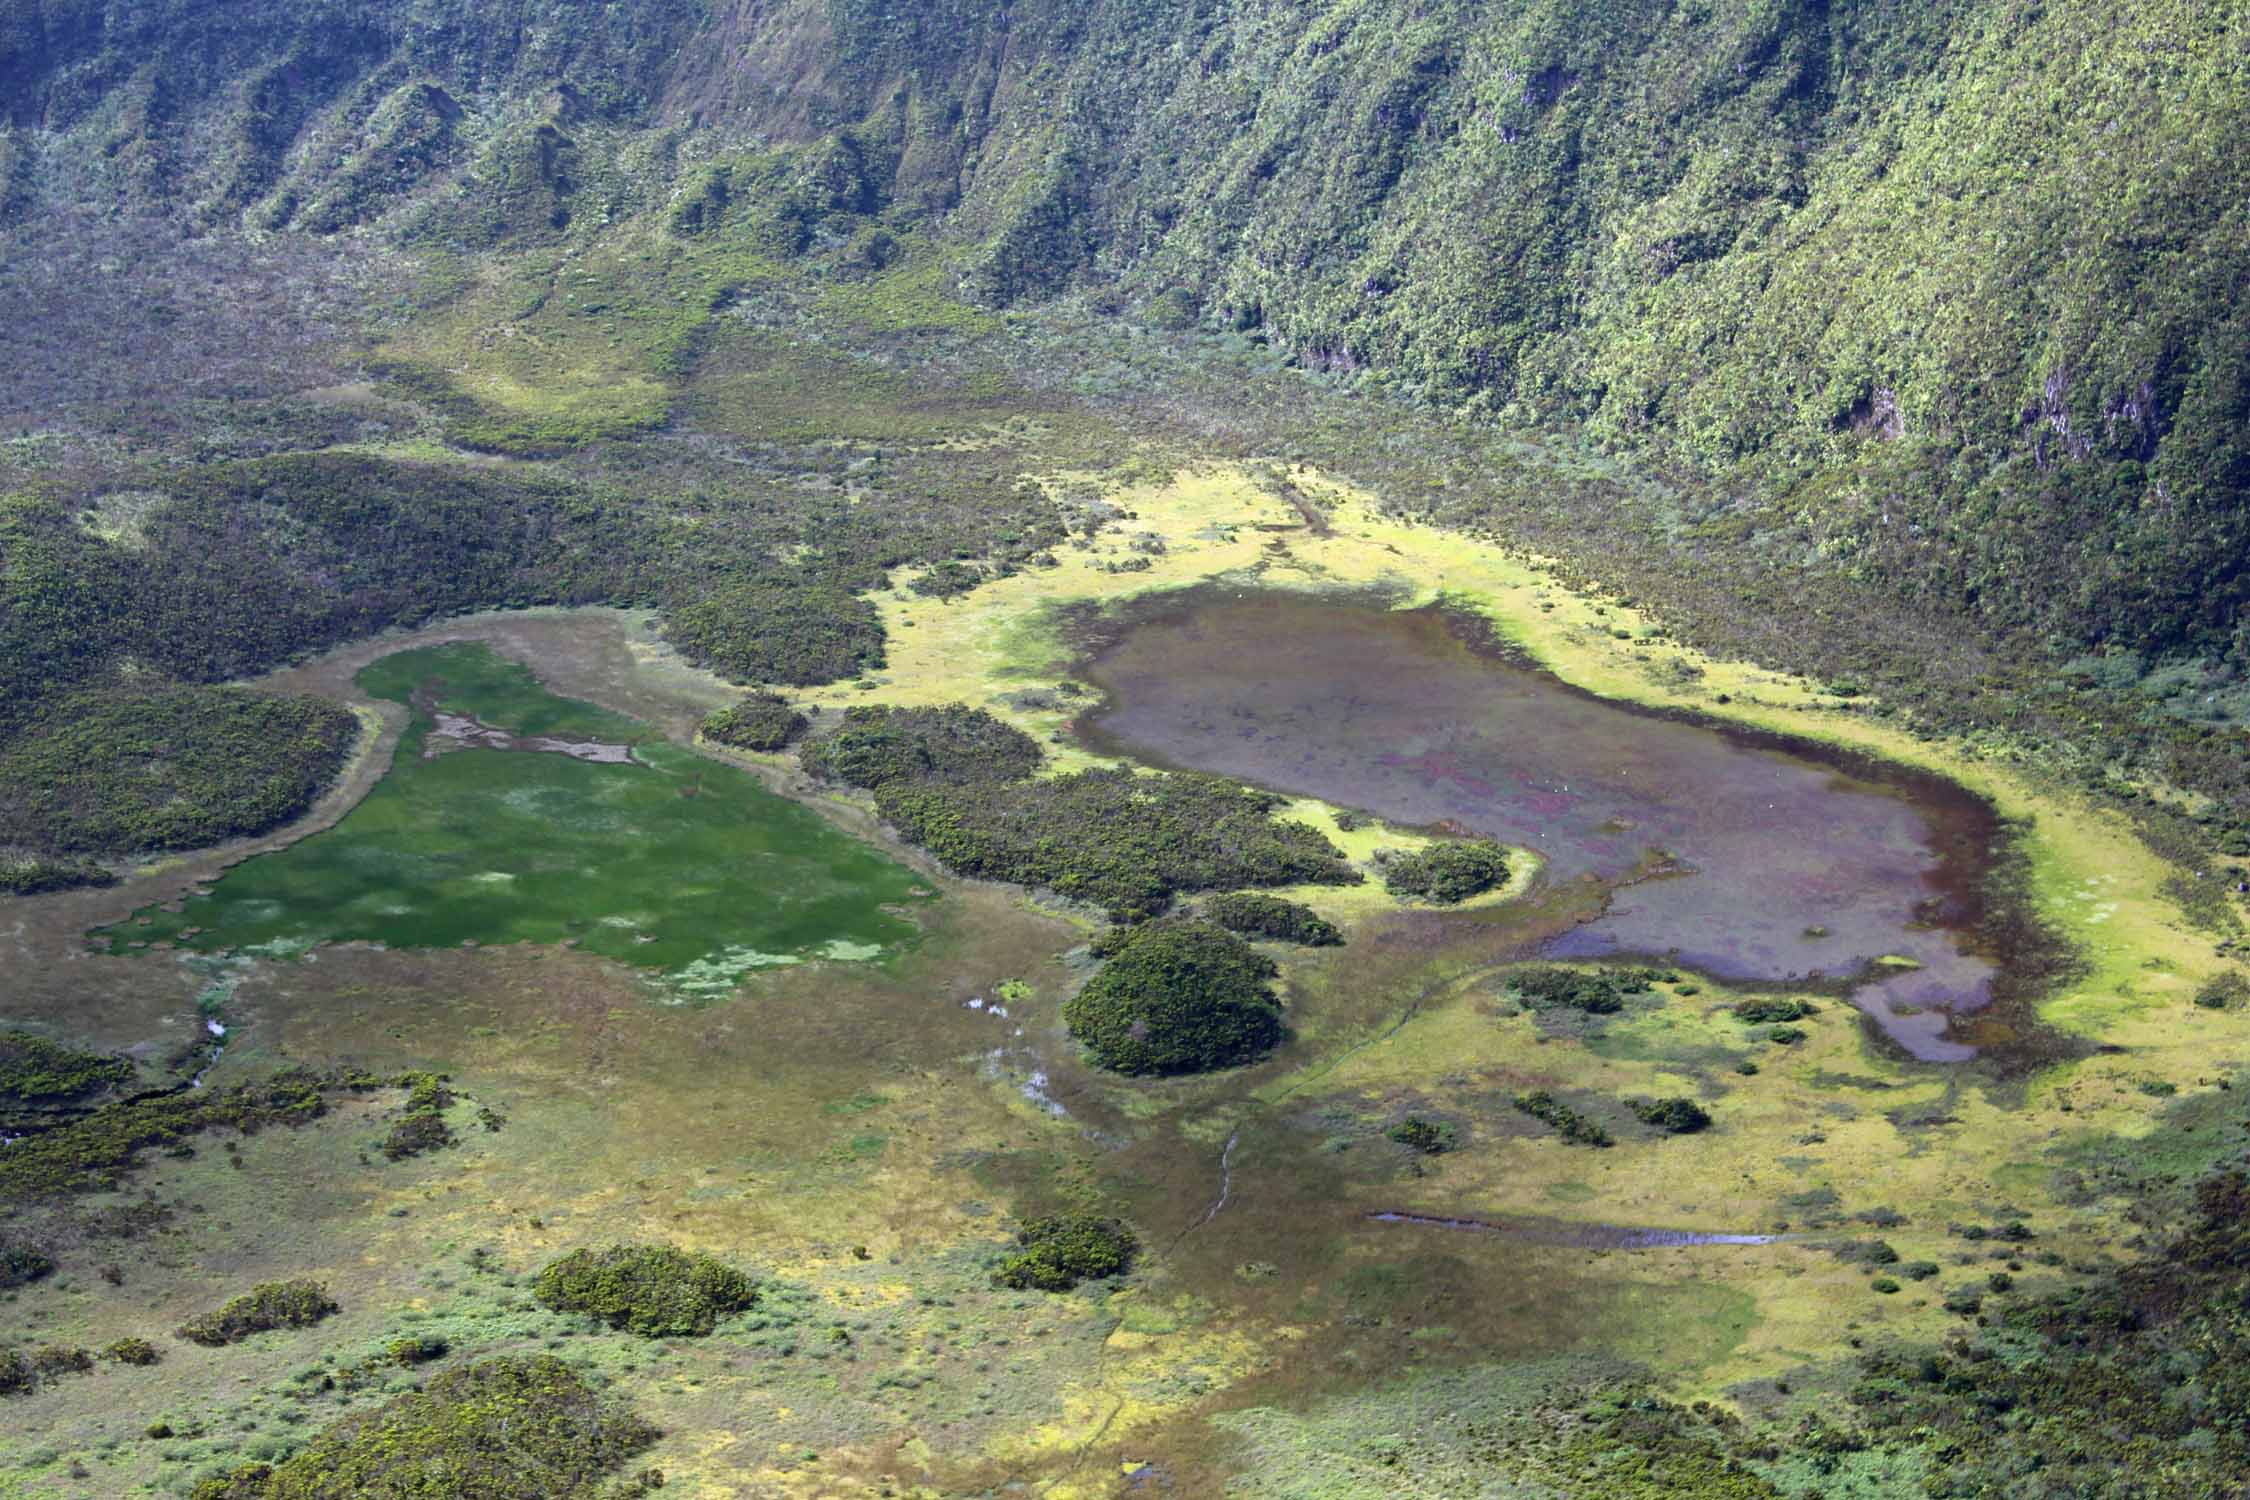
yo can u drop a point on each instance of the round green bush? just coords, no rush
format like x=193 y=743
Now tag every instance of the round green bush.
x=1254 y=914
x=1177 y=996
x=763 y=722
x=951 y=745
x=656 y=1291
x=1062 y=1250
x=1448 y=873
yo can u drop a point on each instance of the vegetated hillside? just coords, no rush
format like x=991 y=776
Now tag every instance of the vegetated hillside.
x=1963 y=287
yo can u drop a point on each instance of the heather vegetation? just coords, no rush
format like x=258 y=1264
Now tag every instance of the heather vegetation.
x=1446 y=874
x=265 y=1307
x=1256 y=915
x=1177 y=996
x=38 y=1072
x=655 y=1291
x=762 y=722
x=1055 y=1253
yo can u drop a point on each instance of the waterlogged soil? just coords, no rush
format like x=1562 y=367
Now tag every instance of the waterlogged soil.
x=1742 y=855
x=513 y=815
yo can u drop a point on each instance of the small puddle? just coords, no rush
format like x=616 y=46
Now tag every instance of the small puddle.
x=1572 y=1236
x=1754 y=858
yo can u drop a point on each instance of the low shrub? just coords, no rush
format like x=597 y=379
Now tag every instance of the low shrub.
x=1599 y=992
x=2224 y=991
x=133 y=1351
x=1431 y=1138
x=35 y=1071
x=36 y=875
x=267 y=1306
x=501 y=1429
x=1177 y=996
x=1447 y=873
x=1673 y=1116
x=1769 y=1012
x=20 y=1265
x=94 y=1152
x=1256 y=915
x=763 y=722
x=1572 y=1125
x=1058 y=1252
x=421 y=1128
x=656 y=1291
x=772 y=630
x=418 y=1350
x=947 y=746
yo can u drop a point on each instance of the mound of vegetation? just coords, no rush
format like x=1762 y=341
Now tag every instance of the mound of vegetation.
x=421 y=1123
x=1056 y=1253
x=35 y=1071
x=1769 y=1012
x=1448 y=873
x=36 y=875
x=656 y=1291
x=1255 y=914
x=266 y=1306
x=1673 y=1116
x=1598 y=992
x=20 y=1265
x=1177 y=996
x=1125 y=842
x=2224 y=991
x=22 y=1373
x=1572 y=1125
x=779 y=630
x=515 y=1428
x=950 y=746
x=108 y=773
x=763 y=722
x=1429 y=1137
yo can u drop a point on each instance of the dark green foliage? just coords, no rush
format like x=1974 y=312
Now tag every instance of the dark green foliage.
x=1123 y=841
x=762 y=722
x=119 y=773
x=1447 y=873
x=133 y=1351
x=16 y=1374
x=1770 y=1011
x=1598 y=992
x=1058 y=1252
x=36 y=875
x=1673 y=1116
x=421 y=1349
x=656 y=1291
x=1787 y=1036
x=94 y=1152
x=36 y=1071
x=20 y=1265
x=1430 y=1138
x=1254 y=914
x=2224 y=991
x=1572 y=1125
x=1177 y=996
x=266 y=1306
x=949 y=746
x=515 y=1428
x=421 y=1124
x=761 y=630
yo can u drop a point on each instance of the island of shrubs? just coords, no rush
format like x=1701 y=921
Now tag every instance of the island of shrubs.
x=1256 y=915
x=656 y=1291
x=501 y=1429
x=1446 y=874
x=1598 y=992
x=1572 y=1125
x=1054 y=1254
x=960 y=783
x=763 y=722
x=38 y=1073
x=1176 y=996
x=268 y=1305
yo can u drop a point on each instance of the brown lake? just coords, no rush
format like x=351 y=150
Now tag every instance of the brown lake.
x=1752 y=858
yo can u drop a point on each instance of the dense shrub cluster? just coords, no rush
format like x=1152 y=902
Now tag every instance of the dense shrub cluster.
x=1254 y=914
x=266 y=1306
x=501 y=1429
x=1768 y=1012
x=656 y=1291
x=1177 y=996
x=421 y=1125
x=38 y=875
x=20 y=1265
x=36 y=1071
x=111 y=772
x=1055 y=1253
x=779 y=630
x=1429 y=1137
x=1599 y=992
x=22 y=1373
x=1673 y=1116
x=1572 y=1125
x=2224 y=991
x=950 y=746
x=762 y=722
x=1447 y=873
x=1122 y=841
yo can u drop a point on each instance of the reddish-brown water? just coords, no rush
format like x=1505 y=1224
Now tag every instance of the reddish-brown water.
x=1785 y=861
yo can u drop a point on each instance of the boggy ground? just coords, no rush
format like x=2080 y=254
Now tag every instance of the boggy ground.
x=861 y=1136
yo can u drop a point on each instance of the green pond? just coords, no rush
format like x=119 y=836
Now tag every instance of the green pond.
x=510 y=815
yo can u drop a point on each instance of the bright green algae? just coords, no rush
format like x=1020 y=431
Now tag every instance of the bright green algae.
x=672 y=861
